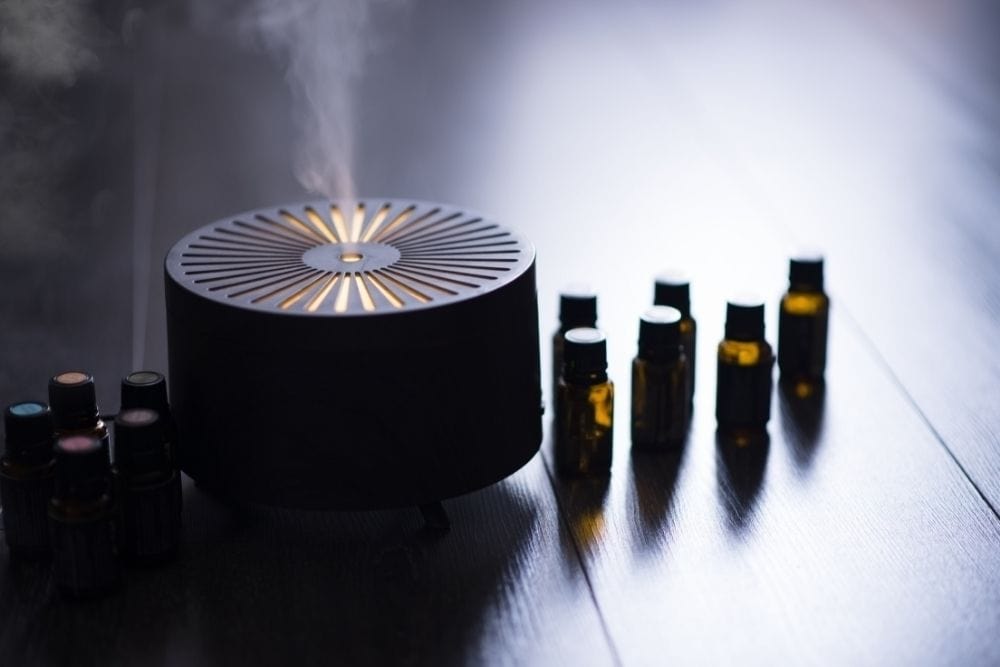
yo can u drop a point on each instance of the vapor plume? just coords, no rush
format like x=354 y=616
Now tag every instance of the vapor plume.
x=46 y=47
x=324 y=45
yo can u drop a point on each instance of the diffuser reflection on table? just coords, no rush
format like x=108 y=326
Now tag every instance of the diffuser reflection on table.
x=353 y=355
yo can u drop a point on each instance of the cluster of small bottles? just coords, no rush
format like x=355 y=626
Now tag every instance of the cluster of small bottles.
x=68 y=496
x=663 y=369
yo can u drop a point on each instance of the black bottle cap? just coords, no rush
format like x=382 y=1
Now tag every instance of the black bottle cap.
x=660 y=333
x=745 y=318
x=82 y=467
x=73 y=399
x=577 y=307
x=585 y=354
x=673 y=288
x=139 y=442
x=145 y=389
x=805 y=272
x=29 y=431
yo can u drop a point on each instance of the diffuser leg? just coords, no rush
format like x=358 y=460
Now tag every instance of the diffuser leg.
x=435 y=518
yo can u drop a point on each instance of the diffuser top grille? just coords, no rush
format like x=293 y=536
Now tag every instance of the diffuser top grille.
x=357 y=258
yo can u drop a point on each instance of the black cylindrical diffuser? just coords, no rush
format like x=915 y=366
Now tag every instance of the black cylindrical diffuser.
x=353 y=355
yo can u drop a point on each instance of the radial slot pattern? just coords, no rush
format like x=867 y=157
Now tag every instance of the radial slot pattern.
x=328 y=258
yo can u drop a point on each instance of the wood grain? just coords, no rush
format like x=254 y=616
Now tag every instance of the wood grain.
x=263 y=586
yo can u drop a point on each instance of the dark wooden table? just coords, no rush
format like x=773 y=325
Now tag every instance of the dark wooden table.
x=621 y=138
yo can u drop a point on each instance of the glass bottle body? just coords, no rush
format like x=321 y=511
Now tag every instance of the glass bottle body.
x=151 y=521
x=558 y=346
x=660 y=403
x=96 y=428
x=689 y=331
x=802 y=336
x=84 y=551
x=25 y=490
x=743 y=387
x=584 y=428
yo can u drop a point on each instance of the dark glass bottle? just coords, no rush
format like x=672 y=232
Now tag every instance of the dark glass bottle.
x=148 y=389
x=584 y=407
x=745 y=361
x=577 y=308
x=802 y=326
x=27 y=472
x=674 y=289
x=82 y=519
x=150 y=487
x=74 y=407
x=660 y=382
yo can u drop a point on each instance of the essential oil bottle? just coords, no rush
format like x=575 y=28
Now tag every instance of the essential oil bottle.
x=673 y=288
x=802 y=325
x=584 y=407
x=74 y=407
x=151 y=487
x=745 y=361
x=27 y=473
x=148 y=389
x=660 y=396
x=82 y=518
x=577 y=308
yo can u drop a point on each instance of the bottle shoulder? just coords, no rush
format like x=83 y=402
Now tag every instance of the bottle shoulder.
x=804 y=303
x=74 y=509
x=745 y=352
x=15 y=470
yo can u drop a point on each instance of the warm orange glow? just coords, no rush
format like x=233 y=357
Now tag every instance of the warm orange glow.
x=356 y=222
x=419 y=296
x=351 y=257
x=317 y=300
x=739 y=352
x=366 y=297
x=398 y=220
x=301 y=226
x=340 y=305
x=804 y=389
x=376 y=222
x=338 y=221
x=386 y=292
x=320 y=224
x=803 y=303
x=293 y=299
x=601 y=398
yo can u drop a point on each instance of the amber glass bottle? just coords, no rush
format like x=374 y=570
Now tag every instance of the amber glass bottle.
x=584 y=407
x=660 y=382
x=148 y=389
x=577 y=308
x=745 y=361
x=674 y=289
x=151 y=487
x=82 y=518
x=74 y=407
x=27 y=472
x=802 y=326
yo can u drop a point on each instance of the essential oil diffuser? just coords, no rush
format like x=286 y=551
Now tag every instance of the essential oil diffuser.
x=353 y=356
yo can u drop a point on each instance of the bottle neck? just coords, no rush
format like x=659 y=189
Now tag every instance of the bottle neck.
x=660 y=354
x=591 y=377
x=82 y=422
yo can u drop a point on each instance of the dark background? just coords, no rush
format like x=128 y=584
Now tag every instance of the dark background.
x=621 y=138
